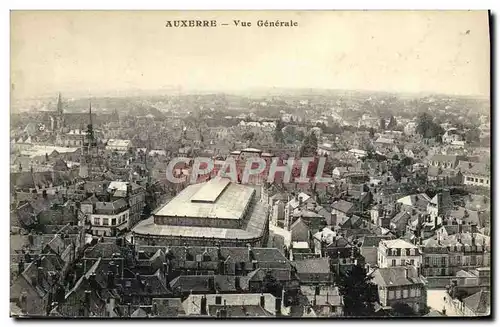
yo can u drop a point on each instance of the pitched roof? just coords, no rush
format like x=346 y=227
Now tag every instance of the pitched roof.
x=474 y=168
x=395 y=276
x=343 y=206
x=459 y=239
x=479 y=303
x=313 y=266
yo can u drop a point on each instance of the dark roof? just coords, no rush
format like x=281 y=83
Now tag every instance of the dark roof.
x=373 y=241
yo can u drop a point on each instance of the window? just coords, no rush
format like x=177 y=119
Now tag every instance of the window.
x=443 y=271
x=418 y=291
x=393 y=263
x=412 y=262
x=405 y=293
x=476 y=180
x=443 y=261
x=412 y=292
x=398 y=294
x=113 y=222
x=427 y=261
x=105 y=221
x=391 y=295
x=97 y=221
x=487 y=181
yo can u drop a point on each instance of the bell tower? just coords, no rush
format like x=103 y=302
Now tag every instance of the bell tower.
x=60 y=112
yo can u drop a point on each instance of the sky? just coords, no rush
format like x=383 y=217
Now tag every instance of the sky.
x=94 y=52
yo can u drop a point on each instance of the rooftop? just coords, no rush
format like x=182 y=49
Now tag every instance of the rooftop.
x=399 y=244
x=218 y=198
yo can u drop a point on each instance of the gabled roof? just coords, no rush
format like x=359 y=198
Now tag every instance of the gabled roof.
x=139 y=313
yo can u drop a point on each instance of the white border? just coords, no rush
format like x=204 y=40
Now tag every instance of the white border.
x=203 y=5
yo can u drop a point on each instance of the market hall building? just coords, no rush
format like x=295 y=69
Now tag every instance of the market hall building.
x=217 y=211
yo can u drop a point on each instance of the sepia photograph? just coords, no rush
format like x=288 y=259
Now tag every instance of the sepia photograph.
x=250 y=164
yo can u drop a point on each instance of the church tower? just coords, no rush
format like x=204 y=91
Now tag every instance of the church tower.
x=89 y=149
x=60 y=112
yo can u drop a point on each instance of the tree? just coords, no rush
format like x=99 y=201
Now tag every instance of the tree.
x=309 y=146
x=248 y=136
x=473 y=136
x=428 y=128
x=358 y=292
x=392 y=123
x=382 y=124
x=278 y=133
x=271 y=285
x=372 y=132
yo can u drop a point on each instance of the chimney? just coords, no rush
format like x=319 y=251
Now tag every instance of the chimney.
x=219 y=252
x=262 y=300
x=87 y=298
x=40 y=275
x=277 y=304
x=20 y=267
x=251 y=256
x=237 y=284
x=111 y=280
x=92 y=280
x=23 y=299
x=154 y=309
x=223 y=311
x=203 y=308
x=129 y=189
x=211 y=284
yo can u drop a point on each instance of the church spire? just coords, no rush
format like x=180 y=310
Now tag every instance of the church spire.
x=59 y=105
